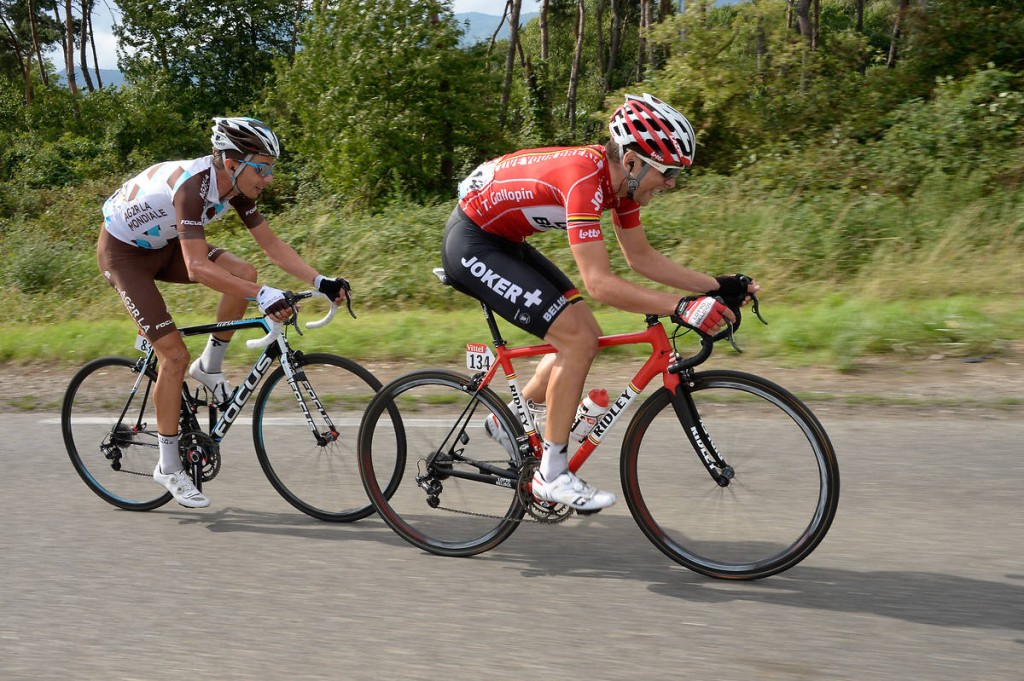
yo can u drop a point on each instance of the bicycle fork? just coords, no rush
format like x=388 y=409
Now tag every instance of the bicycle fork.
x=686 y=411
x=296 y=377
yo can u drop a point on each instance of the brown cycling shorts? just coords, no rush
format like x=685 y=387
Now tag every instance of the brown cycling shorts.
x=134 y=271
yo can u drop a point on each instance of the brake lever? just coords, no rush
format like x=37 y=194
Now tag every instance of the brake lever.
x=732 y=339
x=755 y=307
x=348 y=298
x=294 y=319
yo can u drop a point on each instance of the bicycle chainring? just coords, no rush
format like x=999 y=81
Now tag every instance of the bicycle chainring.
x=205 y=447
x=542 y=511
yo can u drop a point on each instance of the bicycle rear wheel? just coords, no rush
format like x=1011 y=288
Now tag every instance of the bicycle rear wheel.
x=305 y=435
x=456 y=489
x=774 y=511
x=110 y=433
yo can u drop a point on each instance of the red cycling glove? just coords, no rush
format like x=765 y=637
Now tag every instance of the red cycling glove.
x=704 y=313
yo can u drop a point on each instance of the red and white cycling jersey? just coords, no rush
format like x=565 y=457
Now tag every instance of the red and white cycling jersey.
x=535 y=190
x=168 y=199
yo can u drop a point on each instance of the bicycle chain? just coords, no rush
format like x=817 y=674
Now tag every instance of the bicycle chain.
x=536 y=511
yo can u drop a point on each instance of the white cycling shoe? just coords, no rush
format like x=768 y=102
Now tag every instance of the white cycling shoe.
x=570 y=490
x=182 y=488
x=218 y=386
x=498 y=434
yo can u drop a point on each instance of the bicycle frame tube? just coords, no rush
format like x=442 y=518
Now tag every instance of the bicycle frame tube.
x=657 y=363
x=259 y=369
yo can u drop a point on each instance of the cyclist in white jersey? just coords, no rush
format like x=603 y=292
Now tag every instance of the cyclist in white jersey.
x=154 y=230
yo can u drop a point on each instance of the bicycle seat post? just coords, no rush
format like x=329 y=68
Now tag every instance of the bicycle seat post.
x=492 y=324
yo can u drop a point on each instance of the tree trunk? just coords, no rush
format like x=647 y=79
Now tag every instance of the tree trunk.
x=817 y=25
x=295 y=31
x=649 y=21
x=802 y=12
x=577 y=59
x=69 y=48
x=95 y=60
x=510 y=59
x=602 y=56
x=545 y=39
x=645 y=12
x=82 y=40
x=35 y=43
x=897 y=33
x=762 y=50
x=24 y=65
x=614 y=41
x=860 y=29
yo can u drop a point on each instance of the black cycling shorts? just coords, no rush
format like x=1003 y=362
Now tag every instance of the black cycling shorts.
x=134 y=271
x=513 y=279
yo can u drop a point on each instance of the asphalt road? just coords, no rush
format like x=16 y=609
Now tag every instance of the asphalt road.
x=921 y=577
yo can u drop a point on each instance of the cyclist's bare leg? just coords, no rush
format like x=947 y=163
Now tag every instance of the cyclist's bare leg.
x=560 y=378
x=173 y=360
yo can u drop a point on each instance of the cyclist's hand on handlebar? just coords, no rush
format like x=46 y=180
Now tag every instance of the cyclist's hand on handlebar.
x=735 y=290
x=703 y=313
x=337 y=289
x=274 y=303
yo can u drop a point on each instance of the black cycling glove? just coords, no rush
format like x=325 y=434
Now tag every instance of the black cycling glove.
x=732 y=289
x=331 y=288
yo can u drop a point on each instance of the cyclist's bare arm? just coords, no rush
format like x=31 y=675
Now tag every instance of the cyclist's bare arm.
x=609 y=288
x=201 y=270
x=644 y=259
x=649 y=262
x=281 y=254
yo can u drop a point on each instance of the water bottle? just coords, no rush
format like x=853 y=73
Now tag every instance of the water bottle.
x=591 y=409
x=539 y=412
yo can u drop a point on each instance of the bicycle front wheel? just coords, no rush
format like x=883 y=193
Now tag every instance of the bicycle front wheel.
x=784 y=486
x=305 y=435
x=110 y=433
x=455 y=493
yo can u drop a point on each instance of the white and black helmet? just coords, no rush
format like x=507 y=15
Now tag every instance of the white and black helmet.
x=654 y=130
x=245 y=135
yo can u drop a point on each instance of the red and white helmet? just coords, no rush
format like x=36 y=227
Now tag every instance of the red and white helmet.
x=246 y=135
x=654 y=130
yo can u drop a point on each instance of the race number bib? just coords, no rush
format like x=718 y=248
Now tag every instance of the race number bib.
x=478 y=357
x=142 y=343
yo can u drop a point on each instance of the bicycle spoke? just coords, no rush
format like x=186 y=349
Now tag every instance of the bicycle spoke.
x=305 y=433
x=456 y=494
x=109 y=427
x=768 y=516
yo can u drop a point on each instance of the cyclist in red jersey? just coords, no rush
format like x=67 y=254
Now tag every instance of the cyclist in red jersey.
x=510 y=198
x=154 y=229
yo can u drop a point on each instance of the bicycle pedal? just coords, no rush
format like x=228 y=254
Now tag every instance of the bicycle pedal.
x=596 y=510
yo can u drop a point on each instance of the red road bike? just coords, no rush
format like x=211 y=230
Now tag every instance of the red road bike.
x=725 y=472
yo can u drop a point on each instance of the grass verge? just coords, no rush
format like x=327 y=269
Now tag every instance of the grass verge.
x=834 y=332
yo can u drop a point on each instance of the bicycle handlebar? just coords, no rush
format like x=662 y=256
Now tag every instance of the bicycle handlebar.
x=707 y=341
x=276 y=328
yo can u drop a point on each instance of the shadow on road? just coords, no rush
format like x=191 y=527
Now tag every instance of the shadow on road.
x=614 y=548
x=295 y=524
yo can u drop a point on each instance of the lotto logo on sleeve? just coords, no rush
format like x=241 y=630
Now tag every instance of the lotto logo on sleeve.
x=585 y=233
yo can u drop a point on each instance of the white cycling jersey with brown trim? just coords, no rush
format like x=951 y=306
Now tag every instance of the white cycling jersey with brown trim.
x=171 y=199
